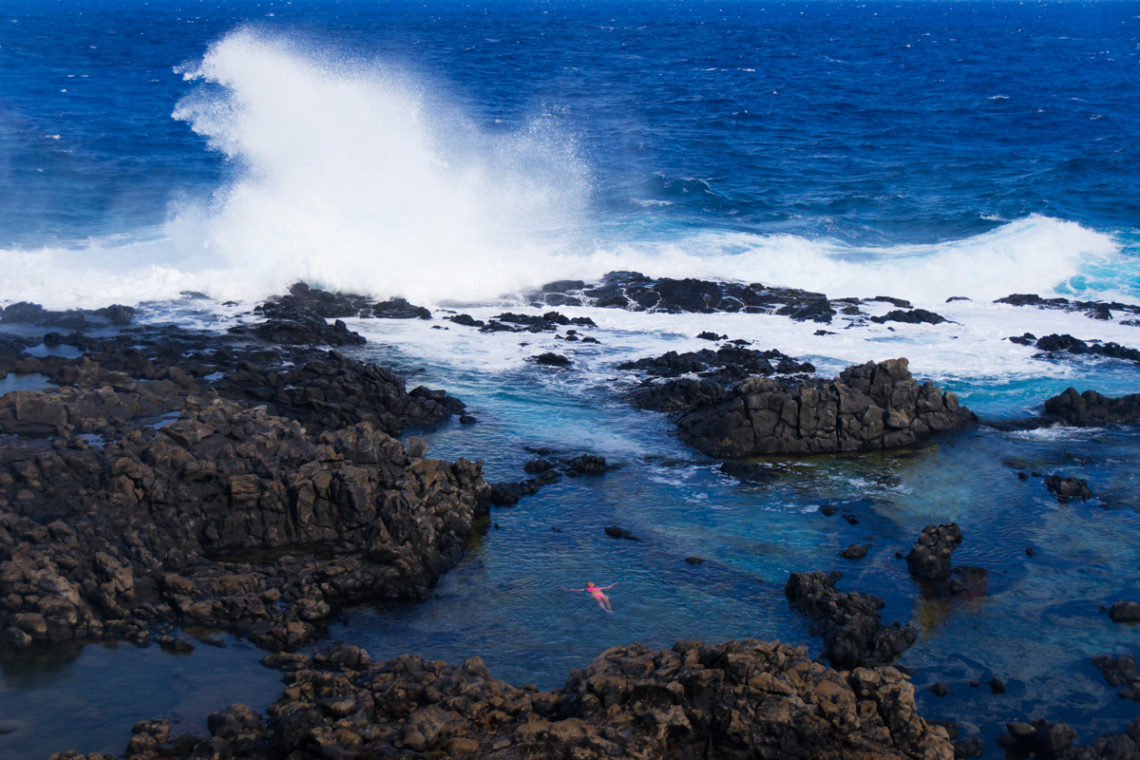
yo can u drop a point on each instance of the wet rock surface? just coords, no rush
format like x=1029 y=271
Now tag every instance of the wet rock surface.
x=636 y=292
x=237 y=487
x=1090 y=408
x=929 y=563
x=1055 y=741
x=849 y=622
x=1055 y=345
x=929 y=559
x=1091 y=309
x=727 y=363
x=732 y=700
x=1068 y=487
x=1125 y=612
x=868 y=407
x=1120 y=671
x=911 y=316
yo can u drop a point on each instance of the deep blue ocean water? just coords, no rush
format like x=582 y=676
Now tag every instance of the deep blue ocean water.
x=458 y=153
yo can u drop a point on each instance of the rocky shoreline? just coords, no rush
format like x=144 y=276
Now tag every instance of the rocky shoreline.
x=290 y=499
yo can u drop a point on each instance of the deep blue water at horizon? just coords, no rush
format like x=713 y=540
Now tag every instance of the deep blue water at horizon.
x=917 y=149
x=871 y=122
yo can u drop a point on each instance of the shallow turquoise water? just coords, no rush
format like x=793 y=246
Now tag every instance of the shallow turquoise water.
x=1037 y=624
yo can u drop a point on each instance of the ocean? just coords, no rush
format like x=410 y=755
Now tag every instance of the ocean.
x=194 y=158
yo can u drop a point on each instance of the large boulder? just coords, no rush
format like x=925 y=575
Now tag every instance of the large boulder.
x=868 y=407
x=1090 y=409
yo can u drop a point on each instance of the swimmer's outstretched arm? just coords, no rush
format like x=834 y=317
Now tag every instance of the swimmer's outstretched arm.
x=609 y=586
x=572 y=589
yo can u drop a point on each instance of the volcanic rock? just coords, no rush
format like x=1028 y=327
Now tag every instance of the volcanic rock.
x=868 y=407
x=1094 y=409
x=732 y=700
x=1125 y=612
x=855 y=551
x=635 y=291
x=551 y=360
x=1066 y=488
x=912 y=316
x=929 y=559
x=849 y=622
x=1052 y=344
x=1120 y=671
x=1092 y=309
x=335 y=391
x=399 y=308
x=219 y=514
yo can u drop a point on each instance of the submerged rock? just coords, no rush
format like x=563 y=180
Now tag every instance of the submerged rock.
x=853 y=635
x=1068 y=487
x=732 y=700
x=1120 y=671
x=868 y=407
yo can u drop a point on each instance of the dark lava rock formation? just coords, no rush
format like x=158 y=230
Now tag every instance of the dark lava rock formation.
x=1054 y=344
x=734 y=700
x=1092 y=409
x=1120 y=671
x=1125 y=612
x=728 y=362
x=868 y=407
x=929 y=563
x=1048 y=740
x=636 y=292
x=929 y=559
x=1092 y=309
x=1066 y=488
x=911 y=316
x=134 y=502
x=853 y=635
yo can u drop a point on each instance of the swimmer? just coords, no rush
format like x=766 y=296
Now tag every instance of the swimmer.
x=597 y=592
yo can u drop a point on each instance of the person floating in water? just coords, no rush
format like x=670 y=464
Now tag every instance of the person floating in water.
x=598 y=593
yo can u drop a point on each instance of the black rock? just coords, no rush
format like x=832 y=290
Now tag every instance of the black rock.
x=466 y=320
x=615 y=532
x=398 y=308
x=549 y=359
x=855 y=551
x=1125 y=612
x=1066 y=488
x=1094 y=409
x=939 y=689
x=929 y=558
x=868 y=407
x=849 y=622
x=914 y=316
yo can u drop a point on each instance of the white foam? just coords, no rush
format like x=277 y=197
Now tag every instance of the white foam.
x=356 y=177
